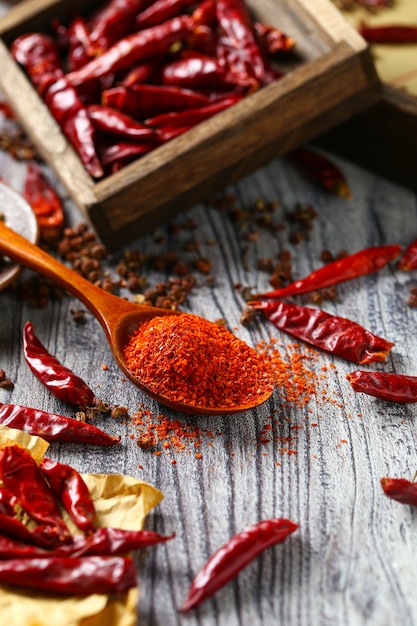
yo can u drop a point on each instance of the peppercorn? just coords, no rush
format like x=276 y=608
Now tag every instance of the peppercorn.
x=78 y=315
x=248 y=315
x=412 y=299
x=203 y=266
x=5 y=383
x=265 y=265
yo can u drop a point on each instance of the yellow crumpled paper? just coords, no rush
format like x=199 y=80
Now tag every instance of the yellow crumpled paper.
x=121 y=502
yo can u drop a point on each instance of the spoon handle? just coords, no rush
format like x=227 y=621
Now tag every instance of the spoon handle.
x=105 y=306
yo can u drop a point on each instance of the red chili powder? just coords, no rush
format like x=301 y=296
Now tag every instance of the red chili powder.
x=295 y=381
x=173 y=434
x=297 y=385
x=193 y=361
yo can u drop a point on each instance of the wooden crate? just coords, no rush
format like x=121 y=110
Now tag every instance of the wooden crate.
x=331 y=79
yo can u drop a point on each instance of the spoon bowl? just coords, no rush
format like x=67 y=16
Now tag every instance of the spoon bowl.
x=118 y=317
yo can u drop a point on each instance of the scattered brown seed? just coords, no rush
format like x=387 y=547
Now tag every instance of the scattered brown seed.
x=248 y=315
x=7 y=384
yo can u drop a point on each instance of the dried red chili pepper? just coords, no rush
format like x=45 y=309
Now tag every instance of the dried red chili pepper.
x=203 y=39
x=272 y=40
x=204 y=13
x=388 y=33
x=385 y=385
x=58 y=379
x=366 y=261
x=15 y=529
x=170 y=132
x=44 y=201
x=160 y=11
x=142 y=101
x=321 y=170
x=133 y=48
x=69 y=111
x=112 y=21
x=12 y=527
x=79 y=43
x=197 y=71
x=235 y=20
x=71 y=576
x=117 y=155
x=53 y=427
x=142 y=72
x=191 y=117
x=74 y=41
x=20 y=473
x=400 y=489
x=408 y=260
x=232 y=557
x=102 y=542
x=114 y=541
x=332 y=333
x=40 y=536
x=39 y=55
x=194 y=71
x=110 y=120
x=69 y=488
x=8 y=502
x=76 y=50
x=11 y=547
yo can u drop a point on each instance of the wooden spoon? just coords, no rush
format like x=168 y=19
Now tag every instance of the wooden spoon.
x=118 y=317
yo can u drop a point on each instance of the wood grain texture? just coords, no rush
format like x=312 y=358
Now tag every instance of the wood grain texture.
x=351 y=563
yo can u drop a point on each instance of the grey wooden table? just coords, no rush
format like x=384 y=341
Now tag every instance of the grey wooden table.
x=352 y=560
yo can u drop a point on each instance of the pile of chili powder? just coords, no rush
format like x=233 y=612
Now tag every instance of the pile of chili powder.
x=193 y=361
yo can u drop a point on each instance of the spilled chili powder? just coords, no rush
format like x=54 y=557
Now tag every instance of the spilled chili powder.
x=294 y=376
x=196 y=362
x=173 y=435
x=299 y=382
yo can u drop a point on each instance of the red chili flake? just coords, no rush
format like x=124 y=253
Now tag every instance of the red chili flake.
x=297 y=383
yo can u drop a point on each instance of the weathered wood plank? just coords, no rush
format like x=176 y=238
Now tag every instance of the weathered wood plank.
x=351 y=562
